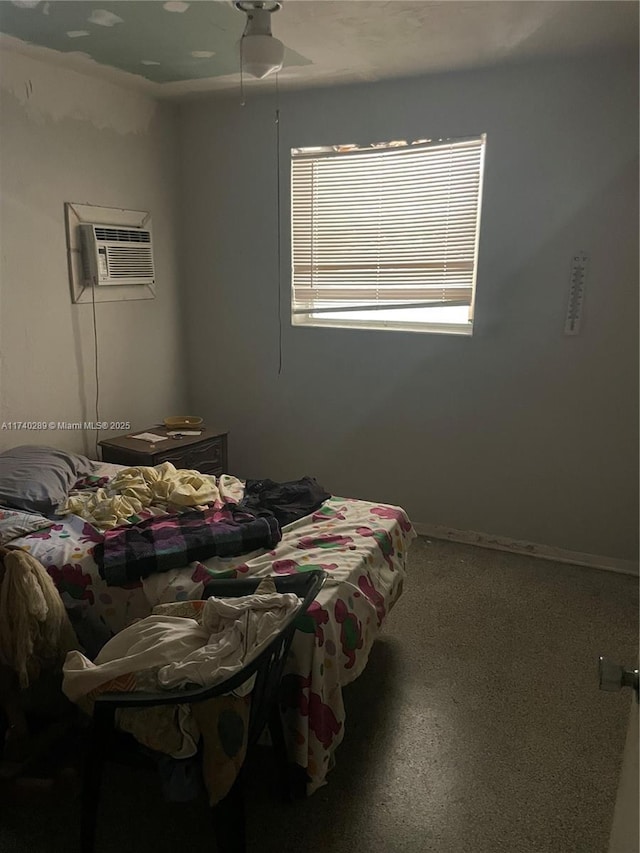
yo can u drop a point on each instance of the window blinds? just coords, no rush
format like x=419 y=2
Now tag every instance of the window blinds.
x=384 y=228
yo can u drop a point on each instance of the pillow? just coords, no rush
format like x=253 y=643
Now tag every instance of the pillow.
x=37 y=478
x=15 y=523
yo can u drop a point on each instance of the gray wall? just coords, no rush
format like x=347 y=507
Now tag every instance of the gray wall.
x=518 y=431
x=69 y=137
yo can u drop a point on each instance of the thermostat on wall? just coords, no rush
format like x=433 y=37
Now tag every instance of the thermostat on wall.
x=579 y=264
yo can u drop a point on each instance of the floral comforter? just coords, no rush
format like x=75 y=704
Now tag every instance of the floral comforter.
x=362 y=546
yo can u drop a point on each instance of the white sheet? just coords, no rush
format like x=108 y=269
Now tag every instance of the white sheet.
x=177 y=651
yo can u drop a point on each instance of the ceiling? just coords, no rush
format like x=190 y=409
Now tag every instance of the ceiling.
x=176 y=48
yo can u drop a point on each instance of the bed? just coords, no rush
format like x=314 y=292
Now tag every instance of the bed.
x=362 y=546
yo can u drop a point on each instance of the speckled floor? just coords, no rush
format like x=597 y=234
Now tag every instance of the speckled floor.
x=477 y=727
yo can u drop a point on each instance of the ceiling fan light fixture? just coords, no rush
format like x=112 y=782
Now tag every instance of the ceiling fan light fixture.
x=261 y=53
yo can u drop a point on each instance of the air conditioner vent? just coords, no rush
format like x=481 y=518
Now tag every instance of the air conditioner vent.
x=124 y=264
x=122 y=235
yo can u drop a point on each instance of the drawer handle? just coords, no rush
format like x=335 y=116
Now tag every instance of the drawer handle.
x=211 y=462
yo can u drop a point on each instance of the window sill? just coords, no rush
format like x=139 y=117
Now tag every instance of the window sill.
x=465 y=330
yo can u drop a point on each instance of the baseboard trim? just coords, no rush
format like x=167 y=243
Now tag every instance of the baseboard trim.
x=532 y=549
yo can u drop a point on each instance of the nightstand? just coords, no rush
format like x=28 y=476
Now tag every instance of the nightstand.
x=206 y=452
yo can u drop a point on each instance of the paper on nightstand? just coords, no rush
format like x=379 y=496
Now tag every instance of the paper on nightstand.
x=150 y=436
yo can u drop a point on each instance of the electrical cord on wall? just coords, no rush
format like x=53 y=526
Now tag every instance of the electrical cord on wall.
x=95 y=351
x=278 y=206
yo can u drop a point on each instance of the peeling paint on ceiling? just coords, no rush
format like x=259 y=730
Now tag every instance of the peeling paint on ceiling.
x=164 y=42
x=176 y=47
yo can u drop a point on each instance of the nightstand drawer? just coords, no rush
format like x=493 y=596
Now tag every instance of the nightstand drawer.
x=206 y=452
x=206 y=457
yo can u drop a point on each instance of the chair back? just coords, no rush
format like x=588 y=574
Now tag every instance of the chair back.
x=269 y=664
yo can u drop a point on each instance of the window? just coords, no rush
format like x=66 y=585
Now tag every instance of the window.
x=386 y=237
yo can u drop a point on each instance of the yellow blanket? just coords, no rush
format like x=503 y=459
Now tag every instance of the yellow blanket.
x=135 y=489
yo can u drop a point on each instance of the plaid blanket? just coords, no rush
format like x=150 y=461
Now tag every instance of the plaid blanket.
x=172 y=541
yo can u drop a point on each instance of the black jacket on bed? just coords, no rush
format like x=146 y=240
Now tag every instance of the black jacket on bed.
x=286 y=501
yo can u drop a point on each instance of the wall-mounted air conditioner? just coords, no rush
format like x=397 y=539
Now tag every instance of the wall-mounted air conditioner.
x=116 y=254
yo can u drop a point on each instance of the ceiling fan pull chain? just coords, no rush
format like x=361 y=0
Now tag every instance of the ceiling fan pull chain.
x=243 y=102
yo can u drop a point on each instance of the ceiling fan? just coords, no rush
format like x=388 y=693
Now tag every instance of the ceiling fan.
x=260 y=53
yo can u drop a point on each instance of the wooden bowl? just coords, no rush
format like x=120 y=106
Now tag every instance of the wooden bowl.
x=183 y=422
